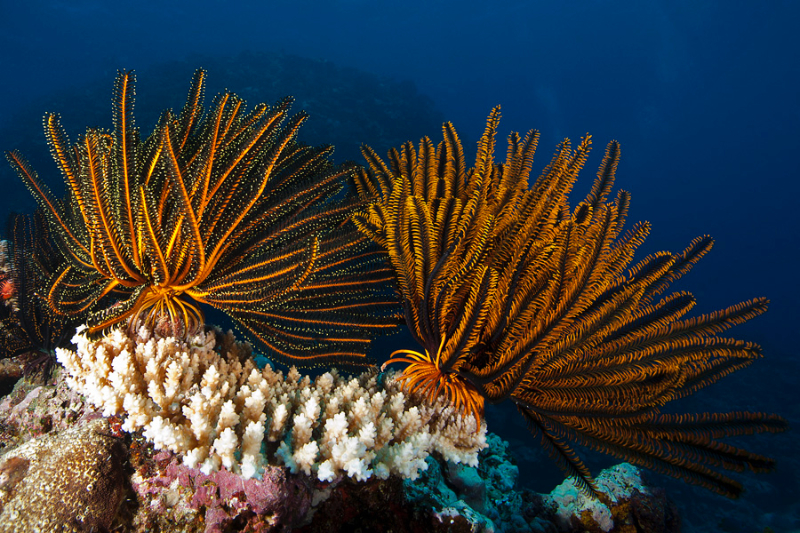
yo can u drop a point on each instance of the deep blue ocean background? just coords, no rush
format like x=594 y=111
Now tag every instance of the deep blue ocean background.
x=703 y=96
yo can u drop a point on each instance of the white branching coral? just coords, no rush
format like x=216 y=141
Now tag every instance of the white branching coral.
x=204 y=397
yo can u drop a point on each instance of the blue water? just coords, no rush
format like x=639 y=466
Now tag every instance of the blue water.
x=703 y=96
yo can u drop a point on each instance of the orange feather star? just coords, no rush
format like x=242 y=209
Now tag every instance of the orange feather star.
x=522 y=298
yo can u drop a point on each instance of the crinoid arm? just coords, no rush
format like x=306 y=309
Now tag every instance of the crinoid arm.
x=685 y=446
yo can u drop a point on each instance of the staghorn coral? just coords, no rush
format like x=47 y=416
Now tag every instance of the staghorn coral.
x=514 y=295
x=203 y=397
x=223 y=208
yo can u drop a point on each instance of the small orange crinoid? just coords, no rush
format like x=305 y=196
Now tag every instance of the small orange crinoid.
x=6 y=288
x=426 y=375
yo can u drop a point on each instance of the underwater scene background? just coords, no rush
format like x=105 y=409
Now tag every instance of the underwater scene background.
x=702 y=96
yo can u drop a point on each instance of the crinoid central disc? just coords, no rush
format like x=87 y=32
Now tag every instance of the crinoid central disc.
x=425 y=375
x=163 y=309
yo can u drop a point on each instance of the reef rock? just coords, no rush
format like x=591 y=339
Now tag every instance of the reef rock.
x=626 y=504
x=488 y=500
x=74 y=480
x=32 y=410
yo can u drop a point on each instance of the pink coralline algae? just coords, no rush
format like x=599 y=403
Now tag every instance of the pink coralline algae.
x=221 y=500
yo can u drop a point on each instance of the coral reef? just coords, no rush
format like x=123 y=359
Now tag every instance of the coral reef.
x=203 y=397
x=33 y=409
x=8 y=303
x=512 y=294
x=487 y=498
x=164 y=494
x=8 y=296
x=625 y=504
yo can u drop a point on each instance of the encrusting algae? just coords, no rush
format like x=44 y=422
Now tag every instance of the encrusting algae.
x=511 y=293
